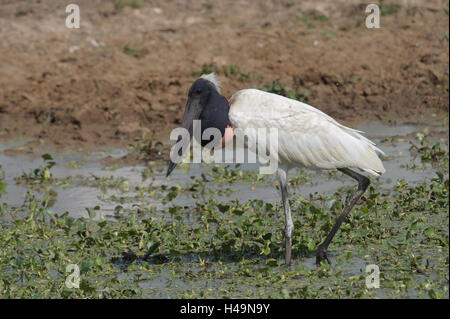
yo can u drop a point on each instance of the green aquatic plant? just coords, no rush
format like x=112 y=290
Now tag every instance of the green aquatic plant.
x=229 y=249
x=431 y=152
x=41 y=174
x=147 y=145
x=230 y=175
x=2 y=182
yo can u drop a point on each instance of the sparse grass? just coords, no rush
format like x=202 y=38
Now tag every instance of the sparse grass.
x=132 y=4
x=209 y=6
x=280 y=89
x=290 y=3
x=137 y=53
x=235 y=72
x=320 y=17
x=206 y=69
x=355 y=78
x=231 y=71
x=330 y=34
x=412 y=11
x=388 y=9
x=306 y=21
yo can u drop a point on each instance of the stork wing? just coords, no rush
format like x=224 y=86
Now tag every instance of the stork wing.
x=306 y=136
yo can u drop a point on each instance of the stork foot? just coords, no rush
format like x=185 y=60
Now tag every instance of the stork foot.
x=321 y=255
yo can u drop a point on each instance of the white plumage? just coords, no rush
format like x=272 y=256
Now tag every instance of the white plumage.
x=306 y=136
x=212 y=77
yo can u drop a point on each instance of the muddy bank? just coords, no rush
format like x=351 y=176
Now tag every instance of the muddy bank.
x=126 y=71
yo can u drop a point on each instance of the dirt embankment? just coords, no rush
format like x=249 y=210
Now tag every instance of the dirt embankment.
x=126 y=71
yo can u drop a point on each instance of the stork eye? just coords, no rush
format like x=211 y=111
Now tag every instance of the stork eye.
x=198 y=91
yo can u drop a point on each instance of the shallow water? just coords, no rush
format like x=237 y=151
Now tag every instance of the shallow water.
x=75 y=198
x=77 y=195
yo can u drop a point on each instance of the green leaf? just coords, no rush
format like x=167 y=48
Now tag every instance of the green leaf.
x=91 y=212
x=223 y=208
x=429 y=231
x=47 y=157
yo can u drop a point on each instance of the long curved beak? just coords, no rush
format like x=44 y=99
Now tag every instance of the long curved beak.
x=170 y=168
x=191 y=112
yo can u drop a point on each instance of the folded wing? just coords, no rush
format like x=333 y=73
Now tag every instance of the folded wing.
x=306 y=136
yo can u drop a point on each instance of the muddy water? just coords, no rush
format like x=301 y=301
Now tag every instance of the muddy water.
x=75 y=197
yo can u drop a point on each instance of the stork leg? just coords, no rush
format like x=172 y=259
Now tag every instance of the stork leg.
x=363 y=183
x=287 y=214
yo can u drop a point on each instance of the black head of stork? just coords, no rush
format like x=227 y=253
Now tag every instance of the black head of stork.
x=205 y=103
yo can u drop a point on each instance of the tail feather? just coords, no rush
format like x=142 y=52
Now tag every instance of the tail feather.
x=371 y=171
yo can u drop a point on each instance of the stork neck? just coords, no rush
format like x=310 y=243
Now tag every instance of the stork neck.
x=215 y=114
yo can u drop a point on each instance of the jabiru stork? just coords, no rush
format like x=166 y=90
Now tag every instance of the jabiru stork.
x=307 y=137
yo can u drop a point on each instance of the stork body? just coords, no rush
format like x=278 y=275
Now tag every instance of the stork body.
x=307 y=137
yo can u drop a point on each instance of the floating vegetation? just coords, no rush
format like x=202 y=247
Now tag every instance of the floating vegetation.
x=41 y=174
x=201 y=236
x=234 y=248
x=430 y=152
